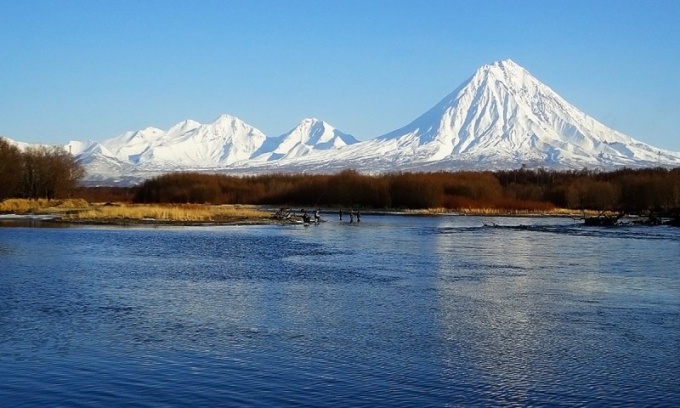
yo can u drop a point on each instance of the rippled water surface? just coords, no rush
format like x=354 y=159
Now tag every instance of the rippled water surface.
x=395 y=311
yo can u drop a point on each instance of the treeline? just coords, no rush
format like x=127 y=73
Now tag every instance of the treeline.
x=38 y=172
x=625 y=190
x=535 y=190
x=51 y=172
x=345 y=189
x=106 y=194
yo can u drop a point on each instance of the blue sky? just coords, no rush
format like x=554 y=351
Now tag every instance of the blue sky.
x=91 y=70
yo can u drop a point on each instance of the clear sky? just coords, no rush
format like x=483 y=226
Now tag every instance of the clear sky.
x=91 y=70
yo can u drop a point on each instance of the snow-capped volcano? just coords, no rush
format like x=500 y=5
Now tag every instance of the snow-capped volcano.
x=311 y=134
x=504 y=116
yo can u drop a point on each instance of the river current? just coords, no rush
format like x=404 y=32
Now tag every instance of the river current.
x=392 y=311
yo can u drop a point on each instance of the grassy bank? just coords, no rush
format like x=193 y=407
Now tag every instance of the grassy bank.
x=82 y=211
x=497 y=212
x=41 y=205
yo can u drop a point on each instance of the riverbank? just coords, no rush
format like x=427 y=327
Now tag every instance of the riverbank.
x=80 y=211
x=473 y=212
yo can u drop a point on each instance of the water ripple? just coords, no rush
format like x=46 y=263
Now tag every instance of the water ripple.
x=397 y=311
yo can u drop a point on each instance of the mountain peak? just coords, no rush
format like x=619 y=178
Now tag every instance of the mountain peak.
x=226 y=118
x=316 y=132
x=183 y=126
x=313 y=123
x=310 y=135
x=505 y=71
x=226 y=124
x=506 y=64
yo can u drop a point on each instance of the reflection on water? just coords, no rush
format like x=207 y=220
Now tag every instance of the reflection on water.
x=409 y=311
x=574 y=310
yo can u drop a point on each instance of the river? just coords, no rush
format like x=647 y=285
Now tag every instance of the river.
x=392 y=311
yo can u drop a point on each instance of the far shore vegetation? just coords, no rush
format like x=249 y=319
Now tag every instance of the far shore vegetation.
x=48 y=180
x=81 y=211
x=521 y=191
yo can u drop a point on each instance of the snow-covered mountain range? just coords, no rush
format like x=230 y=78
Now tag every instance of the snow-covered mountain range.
x=502 y=117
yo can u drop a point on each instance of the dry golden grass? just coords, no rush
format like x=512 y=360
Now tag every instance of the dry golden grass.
x=167 y=213
x=21 y=205
x=558 y=212
x=78 y=210
x=469 y=211
x=500 y=211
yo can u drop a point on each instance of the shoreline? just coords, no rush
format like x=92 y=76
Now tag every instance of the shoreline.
x=80 y=212
x=263 y=216
x=129 y=222
x=54 y=219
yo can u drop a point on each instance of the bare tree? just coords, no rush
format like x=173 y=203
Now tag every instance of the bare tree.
x=10 y=169
x=50 y=172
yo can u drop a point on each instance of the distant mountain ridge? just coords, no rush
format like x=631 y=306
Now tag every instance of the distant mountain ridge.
x=309 y=135
x=501 y=117
x=223 y=142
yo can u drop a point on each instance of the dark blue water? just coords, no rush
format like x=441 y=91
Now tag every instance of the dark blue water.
x=395 y=311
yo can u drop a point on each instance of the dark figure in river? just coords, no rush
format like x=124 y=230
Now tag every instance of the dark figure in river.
x=341 y=214
x=351 y=216
x=317 y=218
x=358 y=216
